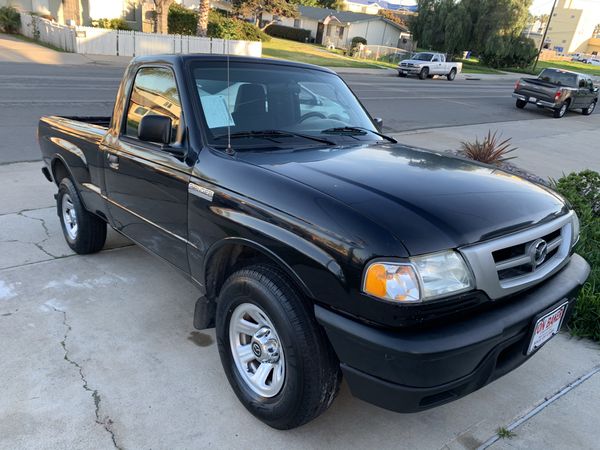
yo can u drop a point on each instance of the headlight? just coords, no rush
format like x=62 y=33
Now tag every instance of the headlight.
x=422 y=278
x=576 y=226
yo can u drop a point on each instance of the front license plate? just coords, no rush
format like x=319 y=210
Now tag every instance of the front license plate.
x=532 y=99
x=546 y=327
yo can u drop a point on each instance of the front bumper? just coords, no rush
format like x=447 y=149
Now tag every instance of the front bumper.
x=409 y=70
x=541 y=103
x=413 y=370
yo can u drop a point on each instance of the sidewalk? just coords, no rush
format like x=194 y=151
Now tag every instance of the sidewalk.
x=546 y=147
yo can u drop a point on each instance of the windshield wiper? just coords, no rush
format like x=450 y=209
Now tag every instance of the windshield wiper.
x=357 y=130
x=275 y=134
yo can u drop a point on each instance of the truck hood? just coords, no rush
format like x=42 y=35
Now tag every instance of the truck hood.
x=427 y=200
x=414 y=61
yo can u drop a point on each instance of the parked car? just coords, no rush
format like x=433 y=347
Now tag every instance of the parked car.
x=428 y=64
x=321 y=246
x=594 y=61
x=558 y=90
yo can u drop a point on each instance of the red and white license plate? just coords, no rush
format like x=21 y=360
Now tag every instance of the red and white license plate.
x=546 y=327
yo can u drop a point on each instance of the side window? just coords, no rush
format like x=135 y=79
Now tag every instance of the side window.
x=154 y=92
x=436 y=58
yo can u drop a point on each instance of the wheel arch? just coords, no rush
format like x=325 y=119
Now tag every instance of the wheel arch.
x=60 y=169
x=230 y=253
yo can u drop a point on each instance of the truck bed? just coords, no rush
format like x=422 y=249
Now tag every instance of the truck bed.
x=99 y=121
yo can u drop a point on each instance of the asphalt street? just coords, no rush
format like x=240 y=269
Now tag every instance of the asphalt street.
x=28 y=91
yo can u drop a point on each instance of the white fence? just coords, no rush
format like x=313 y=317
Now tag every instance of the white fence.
x=49 y=32
x=101 y=41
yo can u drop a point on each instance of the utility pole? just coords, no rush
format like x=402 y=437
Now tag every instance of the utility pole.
x=544 y=36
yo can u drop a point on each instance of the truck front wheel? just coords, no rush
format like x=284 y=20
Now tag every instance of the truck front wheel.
x=84 y=232
x=424 y=73
x=590 y=109
x=275 y=355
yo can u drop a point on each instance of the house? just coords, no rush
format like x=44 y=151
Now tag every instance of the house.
x=337 y=28
x=373 y=6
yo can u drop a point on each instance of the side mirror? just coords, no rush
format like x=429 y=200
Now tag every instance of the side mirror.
x=378 y=121
x=155 y=128
x=594 y=89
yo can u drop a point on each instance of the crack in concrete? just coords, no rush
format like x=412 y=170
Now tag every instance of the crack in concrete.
x=38 y=244
x=105 y=422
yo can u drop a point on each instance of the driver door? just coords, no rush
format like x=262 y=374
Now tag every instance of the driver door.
x=147 y=187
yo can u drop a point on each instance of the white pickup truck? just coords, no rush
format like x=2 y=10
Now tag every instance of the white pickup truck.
x=428 y=64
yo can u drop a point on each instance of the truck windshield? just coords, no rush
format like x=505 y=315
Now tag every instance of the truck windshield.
x=423 y=56
x=558 y=77
x=263 y=97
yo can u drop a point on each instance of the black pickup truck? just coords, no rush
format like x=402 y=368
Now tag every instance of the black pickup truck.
x=557 y=90
x=322 y=247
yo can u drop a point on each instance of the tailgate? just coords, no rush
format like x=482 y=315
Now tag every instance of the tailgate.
x=541 y=91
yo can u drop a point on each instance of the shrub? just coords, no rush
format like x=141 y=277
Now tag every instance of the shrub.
x=182 y=20
x=112 y=24
x=220 y=26
x=582 y=190
x=10 y=20
x=508 y=51
x=358 y=40
x=291 y=33
x=489 y=151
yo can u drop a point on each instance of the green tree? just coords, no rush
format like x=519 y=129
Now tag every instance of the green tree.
x=256 y=8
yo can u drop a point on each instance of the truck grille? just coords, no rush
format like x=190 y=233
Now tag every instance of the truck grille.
x=520 y=260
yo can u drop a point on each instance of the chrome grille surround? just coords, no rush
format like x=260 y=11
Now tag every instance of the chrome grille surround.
x=486 y=269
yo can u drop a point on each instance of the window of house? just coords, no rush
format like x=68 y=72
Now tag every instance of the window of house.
x=328 y=33
x=154 y=92
x=130 y=10
x=340 y=32
x=296 y=23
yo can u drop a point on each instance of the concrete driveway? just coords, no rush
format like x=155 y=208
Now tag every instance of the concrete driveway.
x=99 y=352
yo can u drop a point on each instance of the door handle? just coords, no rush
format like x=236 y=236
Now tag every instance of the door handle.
x=113 y=161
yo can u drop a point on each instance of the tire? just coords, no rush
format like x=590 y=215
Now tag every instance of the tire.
x=424 y=73
x=590 y=109
x=298 y=347
x=560 y=112
x=452 y=75
x=521 y=103
x=84 y=232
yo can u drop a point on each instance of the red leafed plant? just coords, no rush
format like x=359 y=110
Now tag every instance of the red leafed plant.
x=490 y=150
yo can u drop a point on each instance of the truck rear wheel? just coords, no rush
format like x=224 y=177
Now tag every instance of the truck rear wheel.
x=84 y=232
x=275 y=355
x=452 y=75
x=562 y=110
x=424 y=73
x=521 y=103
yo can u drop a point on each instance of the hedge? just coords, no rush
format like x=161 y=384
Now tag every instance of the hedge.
x=182 y=20
x=291 y=33
x=185 y=21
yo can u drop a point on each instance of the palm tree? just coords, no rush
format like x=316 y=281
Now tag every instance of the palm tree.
x=203 y=10
x=162 y=15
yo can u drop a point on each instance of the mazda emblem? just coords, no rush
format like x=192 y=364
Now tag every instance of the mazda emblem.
x=538 y=252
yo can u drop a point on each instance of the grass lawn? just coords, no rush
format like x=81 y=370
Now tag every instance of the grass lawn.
x=565 y=65
x=474 y=66
x=309 y=53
